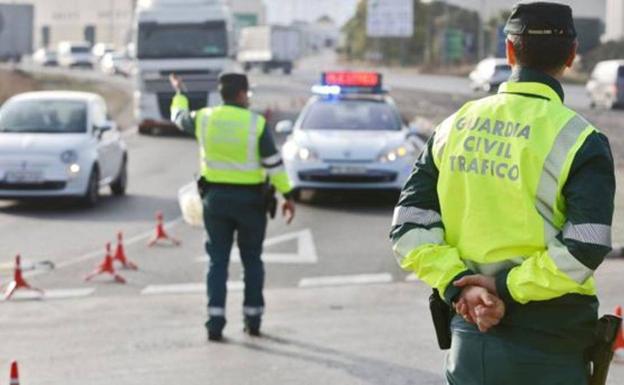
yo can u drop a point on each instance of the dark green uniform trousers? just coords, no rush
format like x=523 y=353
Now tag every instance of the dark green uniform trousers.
x=479 y=358
x=230 y=211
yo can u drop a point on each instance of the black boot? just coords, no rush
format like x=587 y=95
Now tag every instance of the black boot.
x=252 y=326
x=215 y=336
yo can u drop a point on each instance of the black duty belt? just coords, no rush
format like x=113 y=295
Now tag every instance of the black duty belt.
x=259 y=187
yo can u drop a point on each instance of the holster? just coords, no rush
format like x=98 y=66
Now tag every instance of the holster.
x=441 y=313
x=270 y=200
x=599 y=356
x=202 y=187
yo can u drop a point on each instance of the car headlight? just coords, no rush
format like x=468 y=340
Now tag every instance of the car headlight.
x=69 y=156
x=293 y=151
x=396 y=154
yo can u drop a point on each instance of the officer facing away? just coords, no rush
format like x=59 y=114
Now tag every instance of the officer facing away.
x=237 y=151
x=508 y=214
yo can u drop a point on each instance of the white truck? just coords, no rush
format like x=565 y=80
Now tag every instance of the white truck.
x=269 y=47
x=16 y=31
x=191 y=38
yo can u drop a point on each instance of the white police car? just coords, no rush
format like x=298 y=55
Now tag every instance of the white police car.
x=350 y=135
x=55 y=144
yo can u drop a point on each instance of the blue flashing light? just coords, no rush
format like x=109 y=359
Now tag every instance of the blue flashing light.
x=326 y=90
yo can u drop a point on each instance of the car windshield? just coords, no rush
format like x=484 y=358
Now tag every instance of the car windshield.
x=161 y=41
x=44 y=116
x=503 y=68
x=80 y=49
x=365 y=115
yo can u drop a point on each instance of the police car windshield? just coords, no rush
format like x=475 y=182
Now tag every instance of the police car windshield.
x=177 y=41
x=344 y=114
x=44 y=116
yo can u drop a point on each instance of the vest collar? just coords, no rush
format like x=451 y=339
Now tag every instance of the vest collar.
x=533 y=83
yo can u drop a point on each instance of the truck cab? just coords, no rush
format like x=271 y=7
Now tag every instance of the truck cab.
x=191 y=38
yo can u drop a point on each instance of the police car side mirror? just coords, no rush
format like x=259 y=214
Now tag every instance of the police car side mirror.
x=284 y=127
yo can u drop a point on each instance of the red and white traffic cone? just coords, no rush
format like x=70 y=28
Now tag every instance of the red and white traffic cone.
x=18 y=283
x=14 y=374
x=120 y=254
x=106 y=267
x=161 y=234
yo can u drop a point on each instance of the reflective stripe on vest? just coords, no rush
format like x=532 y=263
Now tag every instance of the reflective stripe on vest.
x=548 y=188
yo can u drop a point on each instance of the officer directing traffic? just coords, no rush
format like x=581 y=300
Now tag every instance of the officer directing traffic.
x=237 y=152
x=508 y=214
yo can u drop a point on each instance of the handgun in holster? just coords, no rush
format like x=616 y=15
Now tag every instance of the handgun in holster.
x=270 y=200
x=599 y=356
x=441 y=313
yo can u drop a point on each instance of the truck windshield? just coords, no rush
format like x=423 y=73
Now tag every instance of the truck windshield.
x=44 y=116
x=175 y=41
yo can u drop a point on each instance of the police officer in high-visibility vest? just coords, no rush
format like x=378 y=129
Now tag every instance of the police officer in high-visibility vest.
x=508 y=214
x=237 y=152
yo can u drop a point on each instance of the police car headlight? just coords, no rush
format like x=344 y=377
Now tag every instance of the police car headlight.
x=396 y=154
x=69 y=156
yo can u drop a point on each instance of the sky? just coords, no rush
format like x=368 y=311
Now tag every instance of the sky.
x=286 y=11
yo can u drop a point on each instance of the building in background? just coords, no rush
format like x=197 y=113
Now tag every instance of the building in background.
x=615 y=20
x=107 y=21
x=248 y=13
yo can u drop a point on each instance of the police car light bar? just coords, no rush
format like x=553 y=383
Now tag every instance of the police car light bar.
x=336 y=83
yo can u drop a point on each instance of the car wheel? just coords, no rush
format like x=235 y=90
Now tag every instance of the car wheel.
x=92 y=195
x=119 y=185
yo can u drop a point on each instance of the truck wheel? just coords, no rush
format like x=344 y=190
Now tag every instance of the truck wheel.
x=247 y=67
x=266 y=68
x=287 y=69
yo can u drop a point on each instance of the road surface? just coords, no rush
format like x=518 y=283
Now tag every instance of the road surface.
x=339 y=310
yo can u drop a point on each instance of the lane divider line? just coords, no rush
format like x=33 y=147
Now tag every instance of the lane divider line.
x=186 y=288
x=98 y=253
x=345 y=280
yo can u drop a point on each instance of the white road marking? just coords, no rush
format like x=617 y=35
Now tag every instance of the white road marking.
x=343 y=280
x=411 y=278
x=53 y=294
x=100 y=252
x=186 y=288
x=306 y=250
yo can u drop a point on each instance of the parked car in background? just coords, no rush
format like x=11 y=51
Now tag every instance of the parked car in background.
x=60 y=144
x=489 y=74
x=116 y=63
x=45 y=57
x=606 y=84
x=100 y=50
x=75 y=54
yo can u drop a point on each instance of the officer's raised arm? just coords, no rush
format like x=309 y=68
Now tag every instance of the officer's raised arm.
x=181 y=115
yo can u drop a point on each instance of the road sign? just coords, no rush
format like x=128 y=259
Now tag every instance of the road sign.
x=390 y=18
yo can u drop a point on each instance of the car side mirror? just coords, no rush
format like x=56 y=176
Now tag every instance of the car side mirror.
x=101 y=129
x=284 y=127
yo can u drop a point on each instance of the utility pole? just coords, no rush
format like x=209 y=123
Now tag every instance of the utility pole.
x=111 y=22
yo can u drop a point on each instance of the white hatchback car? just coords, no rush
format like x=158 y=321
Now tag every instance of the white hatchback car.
x=55 y=144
